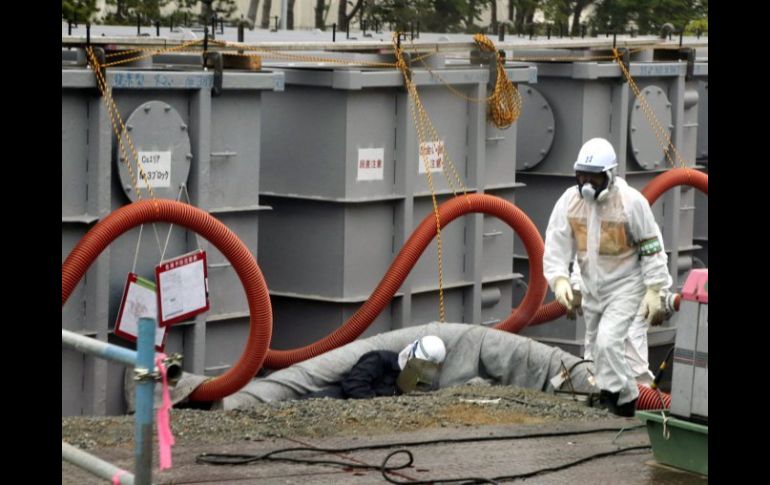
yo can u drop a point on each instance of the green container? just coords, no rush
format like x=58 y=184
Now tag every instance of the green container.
x=687 y=446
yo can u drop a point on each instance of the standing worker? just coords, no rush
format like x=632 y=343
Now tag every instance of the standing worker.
x=623 y=268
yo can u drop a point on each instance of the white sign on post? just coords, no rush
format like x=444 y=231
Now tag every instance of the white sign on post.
x=157 y=167
x=370 y=164
x=433 y=153
x=139 y=300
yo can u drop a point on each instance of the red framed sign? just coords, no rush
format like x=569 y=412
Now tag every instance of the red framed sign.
x=139 y=300
x=183 y=289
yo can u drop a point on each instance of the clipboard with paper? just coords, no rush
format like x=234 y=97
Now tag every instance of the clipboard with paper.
x=182 y=284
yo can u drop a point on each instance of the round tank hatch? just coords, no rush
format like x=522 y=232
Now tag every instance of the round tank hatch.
x=163 y=147
x=536 y=127
x=644 y=145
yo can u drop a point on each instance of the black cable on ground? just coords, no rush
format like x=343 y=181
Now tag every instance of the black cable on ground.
x=474 y=480
x=244 y=459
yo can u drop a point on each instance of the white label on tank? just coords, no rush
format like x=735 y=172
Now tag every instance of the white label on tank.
x=432 y=154
x=157 y=167
x=370 y=164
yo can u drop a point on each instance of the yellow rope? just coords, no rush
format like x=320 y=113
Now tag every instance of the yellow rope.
x=110 y=110
x=658 y=130
x=505 y=102
x=153 y=52
x=560 y=58
x=414 y=106
x=114 y=113
x=302 y=57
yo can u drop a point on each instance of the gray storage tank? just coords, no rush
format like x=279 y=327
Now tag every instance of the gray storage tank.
x=213 y=147
x=335 y=228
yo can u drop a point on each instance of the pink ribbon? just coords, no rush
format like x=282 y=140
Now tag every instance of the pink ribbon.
x=116 y=477
x=165 y=438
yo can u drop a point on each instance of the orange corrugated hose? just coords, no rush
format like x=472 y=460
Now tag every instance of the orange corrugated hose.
x=132 y=215
x=673 y=178
x=261 y=316
x=650 y=399
x=407 y=258
x=657 y=187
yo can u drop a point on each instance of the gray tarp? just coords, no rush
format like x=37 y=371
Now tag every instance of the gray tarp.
x=472 y=351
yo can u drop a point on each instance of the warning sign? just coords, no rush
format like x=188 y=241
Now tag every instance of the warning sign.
x=370 y=164
x=432 y=155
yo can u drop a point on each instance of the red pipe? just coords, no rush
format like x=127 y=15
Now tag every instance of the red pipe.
x=650 y=399
x=127 y=217
x=673 y=178
x=261 y=316
x=657 y=186
x=407 y=258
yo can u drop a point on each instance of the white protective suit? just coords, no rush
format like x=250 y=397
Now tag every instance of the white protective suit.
x=637 y=348
x=607 y=237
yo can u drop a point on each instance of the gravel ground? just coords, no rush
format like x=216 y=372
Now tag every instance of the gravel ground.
x=452 y=407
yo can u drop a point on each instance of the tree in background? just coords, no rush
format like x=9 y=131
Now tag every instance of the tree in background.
x=522 y=13
x=344 y=18
x=473 y=11
x=321 y=10
x=186 y=12
x=125 y=11
x=265 y=24
x=432 y=15
x=251 y=13
x=557 y=12
x=646 y=16
x=128 y=10
x=290 y=15
x=577 y=10
x=225 y=9
x=78 y=10
x=221 y=9
x=560 y=12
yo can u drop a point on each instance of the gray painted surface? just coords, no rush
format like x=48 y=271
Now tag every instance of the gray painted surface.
x=330 y=237
x=333 y=236
x=538 y=132
x=589 y=99
x=223 y=136
x=689 y=391
x=157 y=128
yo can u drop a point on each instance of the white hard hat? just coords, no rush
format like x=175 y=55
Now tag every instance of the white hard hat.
x=596 y=156
x=429 y=348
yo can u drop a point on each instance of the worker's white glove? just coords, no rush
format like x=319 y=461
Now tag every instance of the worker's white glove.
x=652 y=307
x=577 y=305
x=563 y=292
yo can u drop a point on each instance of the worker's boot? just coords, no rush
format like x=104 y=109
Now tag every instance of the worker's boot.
x=609 y=401
x=626 y=410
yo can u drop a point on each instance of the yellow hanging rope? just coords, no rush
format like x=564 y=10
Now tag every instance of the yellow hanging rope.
x=661 y=134
x=505 y=101
x=419 y=121
x=504 y=108
x=114 y=114
x=181 y=47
